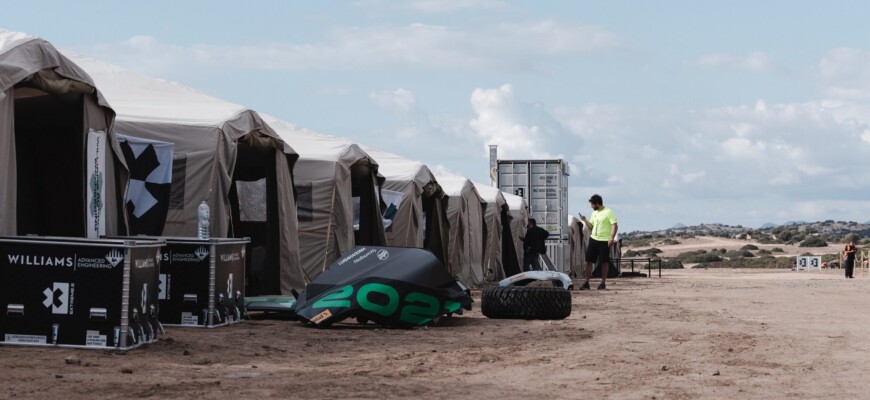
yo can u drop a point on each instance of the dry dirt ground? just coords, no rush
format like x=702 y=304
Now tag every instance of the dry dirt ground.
x=691 y=334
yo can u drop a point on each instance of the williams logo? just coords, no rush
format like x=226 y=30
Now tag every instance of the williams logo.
x=40 y=261
x=114 y=257
x=59 y=297
x=383 y=255
x=201 y=253
x=231 y=257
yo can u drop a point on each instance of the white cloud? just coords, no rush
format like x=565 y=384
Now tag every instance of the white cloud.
x=444 y=6
x=742 y=129
x=497 y=123
x=519 y=129
x=754 y=62
x=522 y=130
x=507 y=47
x=732 y=159
x=439 y=169
x=552 y=38
x=845 y=73
x=432 y=139
x=693 y=176
x=649 y=152
x=814 y=210
x=785 y=178
x=739 y=147
x=399 y=100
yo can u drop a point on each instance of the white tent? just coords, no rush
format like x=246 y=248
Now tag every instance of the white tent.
x=577 y=242
x=338 y=202
x=465 y=213
x=224 y=154
x=419 y=217
x=577 y=245
x=62 y=172
x=495 y=208
x=518 y=210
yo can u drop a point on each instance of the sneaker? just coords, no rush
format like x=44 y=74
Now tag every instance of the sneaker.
x=584 y=286
x=602 y=286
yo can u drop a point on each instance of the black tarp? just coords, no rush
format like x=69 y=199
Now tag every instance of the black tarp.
x=391 y=286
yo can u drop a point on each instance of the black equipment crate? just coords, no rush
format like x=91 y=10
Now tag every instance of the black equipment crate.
x=202 y=281
x=76 y=292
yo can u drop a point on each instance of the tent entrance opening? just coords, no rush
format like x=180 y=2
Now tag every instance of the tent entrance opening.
x=254 y=203
x=371 y=226
x=50 y=163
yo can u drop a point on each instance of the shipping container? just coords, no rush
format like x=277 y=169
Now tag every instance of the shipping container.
x=544 y=186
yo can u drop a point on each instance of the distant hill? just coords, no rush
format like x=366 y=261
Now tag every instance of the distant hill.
x=769 y=225
x=789 y=232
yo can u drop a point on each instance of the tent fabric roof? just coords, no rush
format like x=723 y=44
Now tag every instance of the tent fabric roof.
x=466 y=229
x=577 y=246
x=316 y=146
x=206 y=132
x=324 y=168
x=514 y=202
x=490 y=194
x=519 y=212
x=415 y=181
x=138 y=97
x=141 y=99
x=454 y=185
x=495 y=204
x=397 y=168
x=9 y=39
x=25 y=57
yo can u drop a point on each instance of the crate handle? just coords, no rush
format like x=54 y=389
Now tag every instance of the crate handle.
x=98 y=314
x=15 y=310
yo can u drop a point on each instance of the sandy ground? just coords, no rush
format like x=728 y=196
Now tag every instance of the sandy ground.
x=691 y=334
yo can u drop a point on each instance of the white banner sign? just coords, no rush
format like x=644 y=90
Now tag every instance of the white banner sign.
x=810 y=263
x=393 y=200
x=96 y=164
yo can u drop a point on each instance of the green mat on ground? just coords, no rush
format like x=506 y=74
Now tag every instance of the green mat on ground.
x=271 y=303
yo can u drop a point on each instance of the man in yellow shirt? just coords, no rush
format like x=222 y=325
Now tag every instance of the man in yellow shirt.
x=603 y=227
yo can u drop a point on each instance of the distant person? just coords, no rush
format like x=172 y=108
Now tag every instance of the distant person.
x=603 y=227
x=849 y=258
x=534 y=244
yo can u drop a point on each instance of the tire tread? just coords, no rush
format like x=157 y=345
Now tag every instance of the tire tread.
x=519 y=302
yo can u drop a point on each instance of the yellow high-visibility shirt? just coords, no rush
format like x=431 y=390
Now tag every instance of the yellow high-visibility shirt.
x=602 y=224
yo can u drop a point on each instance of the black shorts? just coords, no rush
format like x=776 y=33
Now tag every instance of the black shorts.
x=598 y=251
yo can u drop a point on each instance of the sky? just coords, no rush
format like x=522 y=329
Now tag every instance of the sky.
x=738 y=112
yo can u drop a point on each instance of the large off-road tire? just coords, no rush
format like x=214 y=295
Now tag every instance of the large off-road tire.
x=521 y=302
